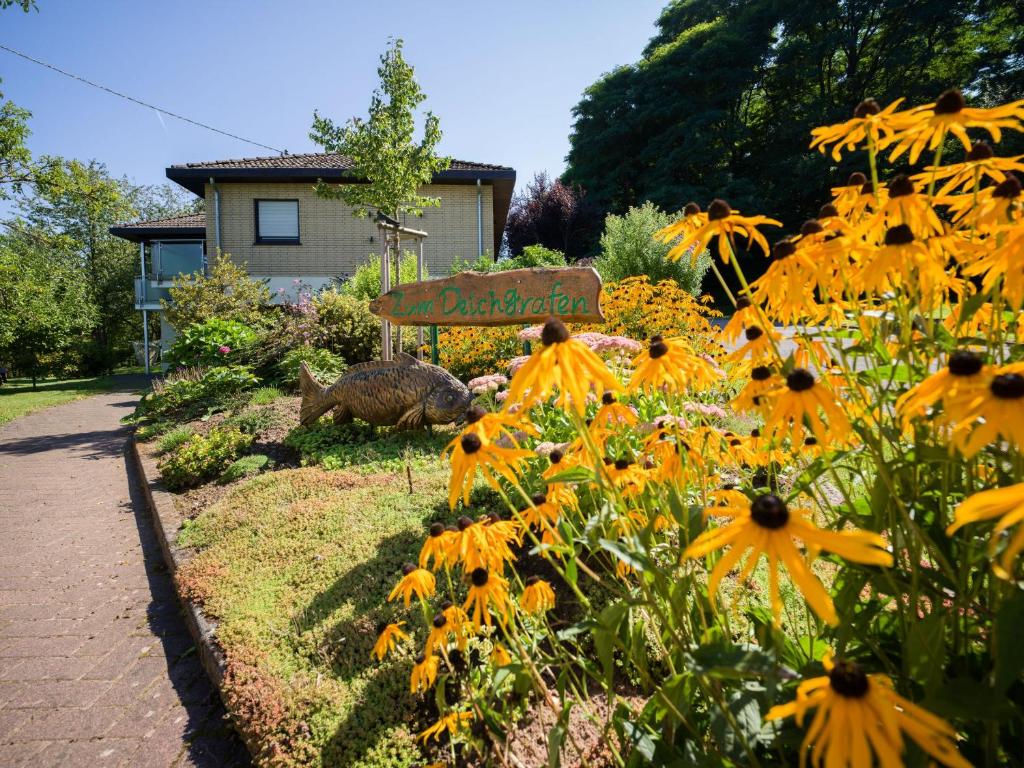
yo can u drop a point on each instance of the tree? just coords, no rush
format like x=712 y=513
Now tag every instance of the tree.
x=17 y=168
x=382 y=149
x=554 y=215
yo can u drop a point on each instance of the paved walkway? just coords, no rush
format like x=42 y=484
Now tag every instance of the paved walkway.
x=96 y=665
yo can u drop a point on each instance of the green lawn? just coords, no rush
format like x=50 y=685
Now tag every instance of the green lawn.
x=18 y=398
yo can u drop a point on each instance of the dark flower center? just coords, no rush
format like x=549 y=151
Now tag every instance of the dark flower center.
x=446 y=605
x=784 y=248
x=691 y=209
x=464 y=522
x=1008 y=187
x=761 y=373
x=950 y=102
x=828 y=211
x=866 y=107
x=901 y=186
x=719 y=209
x=474 y=413
x=471 y=443
x=753 y=333
x=440 y=620
x=735 y=441
x=848 y=679
x=811 y=441
x=857 y=179
x=867 y=188
x=656 y=338
x=538 y=499
x=1008 y=386
x=420 y=659
x=436 y=529
x=622 y=463
x=381 y=626
x=980 y=150
x=478 y=577
x=800 y=380
x=531 y=580
x=742 y=302
x=608 y=398
x=755 y=432
x=964 y=363
x=811 y=227
x=901 y=234
x=554 y=332
x=408 y=568
x=769 y=511
x=608 y=461
x=555 y=456
x=658 y=349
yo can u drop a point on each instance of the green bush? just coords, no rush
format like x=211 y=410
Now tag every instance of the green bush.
x=365 y=282
x=532 y=256
x=174 y=438
x=347 y=327
x=226 y=292
x=265 y=395
x=189 y=393
x=254 y=422
x=323 y=364
x=628 y=248
x=244 y=467
x=203 y=458
x=212 y=342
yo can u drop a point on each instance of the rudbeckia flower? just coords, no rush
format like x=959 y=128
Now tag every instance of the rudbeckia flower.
x=1005 y=503
x=870 y=124
x=693 y=219
x=485 y=543
x=724 y=223
x=440 y=629
x=786 y=289
x=759 y=345
x=626 y=475
x=802 y=397
x=437 y=546
x=471 y=451
x=927 y=126
x=487 y=591
x=415 y=581
x=453 y=722
x=613 y=414
x=860 y=719
x=997 y=411
x=755 y=395
x=499 y=656
x=424 y=673
x=387 y=640
x=1002 y=266
x=671 y=363
x=979 y=164
x=541 y=512
x=992 y=207
x=537 y=596
x=745 y=316
x=564 y=364
x=956 y=385
x=767 y=526
x=905 y=205
x=852 y=199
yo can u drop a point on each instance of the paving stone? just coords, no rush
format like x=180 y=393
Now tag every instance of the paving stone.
x=95 y=668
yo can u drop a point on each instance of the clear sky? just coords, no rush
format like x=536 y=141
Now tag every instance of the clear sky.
x=502 y=77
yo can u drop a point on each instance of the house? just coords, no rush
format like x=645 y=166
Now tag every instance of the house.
x=264 y=212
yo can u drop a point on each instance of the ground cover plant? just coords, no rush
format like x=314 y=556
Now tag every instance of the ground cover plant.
x=839 y=585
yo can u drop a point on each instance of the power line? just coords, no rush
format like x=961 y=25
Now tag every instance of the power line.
x=138 y=101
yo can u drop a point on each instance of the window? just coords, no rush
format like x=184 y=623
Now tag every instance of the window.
x=277 y=221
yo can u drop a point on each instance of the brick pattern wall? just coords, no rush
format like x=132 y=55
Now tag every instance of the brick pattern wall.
x=333 y=241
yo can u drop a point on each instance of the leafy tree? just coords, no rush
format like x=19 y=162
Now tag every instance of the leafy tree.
x=17 y=168
x=382 y=148
x=552 y=214
x=227 y=292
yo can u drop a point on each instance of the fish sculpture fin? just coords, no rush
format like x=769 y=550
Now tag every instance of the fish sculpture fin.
x=314 y=400
x=411 y=419
x=401 y=360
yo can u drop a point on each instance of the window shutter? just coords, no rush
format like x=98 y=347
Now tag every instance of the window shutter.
x=278 y=219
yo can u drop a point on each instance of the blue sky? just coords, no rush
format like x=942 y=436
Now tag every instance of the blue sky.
x=503 y=77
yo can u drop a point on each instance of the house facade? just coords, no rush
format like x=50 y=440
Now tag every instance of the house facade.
x=263 y=212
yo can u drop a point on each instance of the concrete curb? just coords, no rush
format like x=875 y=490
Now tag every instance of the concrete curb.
x=167 y=521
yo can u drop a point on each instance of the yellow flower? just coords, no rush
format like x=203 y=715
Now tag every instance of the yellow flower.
x=786 y=289
x=626 y=475
x=1005 y=503
x=387 y=640
x=802 y=397
x=927 y=126
x=499 y=656
x=671 y=363
x=424 y=673
x=541 y=512
x=564 y=364
x=453 y=722
x=437 y=546
x=415 y=581
x=613 y=414
x=485 y=543
x=744 y=316
x=859 y=716
x=537 y=596
x=979 y=164
x=756 y=393
x=758 y=345
x=956 y=385
x=869 y=124
x=487 y=591
x=724 y=223
x=440 y=629
x=692 y=220
x=766 y=526
x=990 y=207
x=994 y=412
x=471 y=451
x=905 y=205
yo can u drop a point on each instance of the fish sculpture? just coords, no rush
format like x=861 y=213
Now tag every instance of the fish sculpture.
x=405 y=392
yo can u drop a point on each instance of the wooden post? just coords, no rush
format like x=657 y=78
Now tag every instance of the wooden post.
x=385 y=286
x=419 y=279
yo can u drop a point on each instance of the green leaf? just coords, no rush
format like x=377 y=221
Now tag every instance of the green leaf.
x=746 y=712
x=969 y=699
x=572 y=475
x=732 y=662
x=1009 y=651
x=924 y=649
x=639 y=740
x=632 y=559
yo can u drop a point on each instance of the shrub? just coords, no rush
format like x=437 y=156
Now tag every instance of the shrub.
x=202 y=458
x=365 y=282
x=265 y=395
x=214 y=341
x=226 y=292
x=187 y=393
x=244 y=467
x=174 y=438
x=255 y=421
x=534 y=256
x=347 y=327
x=628 y=249
x=322 y=363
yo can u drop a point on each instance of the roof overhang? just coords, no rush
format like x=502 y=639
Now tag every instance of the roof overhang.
x=145 y=234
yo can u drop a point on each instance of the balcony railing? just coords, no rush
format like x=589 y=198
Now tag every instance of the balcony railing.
x=148 y=293
x=171 y=259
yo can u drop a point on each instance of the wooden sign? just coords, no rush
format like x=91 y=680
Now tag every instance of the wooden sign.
x=514 y=297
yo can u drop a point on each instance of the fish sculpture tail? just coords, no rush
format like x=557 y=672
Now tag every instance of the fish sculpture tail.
x=314 y=397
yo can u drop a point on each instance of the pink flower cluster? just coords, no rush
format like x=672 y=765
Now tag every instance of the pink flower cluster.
x=223 y=349
x=707 y=411
x=488 y=383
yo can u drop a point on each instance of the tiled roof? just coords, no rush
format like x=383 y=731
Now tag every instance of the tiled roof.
x=324 y=160
x=188 y=221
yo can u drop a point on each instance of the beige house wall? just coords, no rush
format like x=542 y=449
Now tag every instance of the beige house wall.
x=333 y=241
